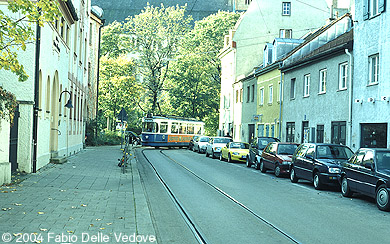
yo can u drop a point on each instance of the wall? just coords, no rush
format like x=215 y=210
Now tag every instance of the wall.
x=5 y=165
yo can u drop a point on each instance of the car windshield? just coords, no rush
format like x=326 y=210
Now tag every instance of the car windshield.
x=287 y=149
x=383 y=161
x=333 y=152
x=222 y=140
x=239 y=145
x=263 y=142
x=204 y=139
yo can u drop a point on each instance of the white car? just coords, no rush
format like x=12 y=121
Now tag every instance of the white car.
x=215 y=145
x=200 y=144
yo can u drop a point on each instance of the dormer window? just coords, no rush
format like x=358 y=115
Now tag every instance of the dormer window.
x=286 y=8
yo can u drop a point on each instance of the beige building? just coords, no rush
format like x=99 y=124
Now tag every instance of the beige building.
x=57 y=65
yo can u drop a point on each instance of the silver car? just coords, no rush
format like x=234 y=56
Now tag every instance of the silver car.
x=200 y=144
x=215 y=145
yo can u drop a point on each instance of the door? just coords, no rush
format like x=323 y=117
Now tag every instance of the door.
x=13 y=141
x=251 y=129
x=290 y=133
x=305 y=132
x=307 y=163
x=338 y=132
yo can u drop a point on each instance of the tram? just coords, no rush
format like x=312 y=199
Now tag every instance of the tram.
x=169 y=131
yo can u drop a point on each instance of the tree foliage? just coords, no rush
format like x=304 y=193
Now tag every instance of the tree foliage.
x=154 y=35
x=112 y=38
x=195 y=79
x=17 y=30
x=118 y=88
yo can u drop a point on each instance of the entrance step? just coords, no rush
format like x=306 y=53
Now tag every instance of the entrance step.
x=58 y=160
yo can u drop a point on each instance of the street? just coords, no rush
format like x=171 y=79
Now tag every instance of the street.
x=262 y=208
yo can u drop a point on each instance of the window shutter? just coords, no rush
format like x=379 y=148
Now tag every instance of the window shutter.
x=366 y=14
x=382 y=6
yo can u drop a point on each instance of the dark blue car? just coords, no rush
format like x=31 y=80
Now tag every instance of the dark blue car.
x=368 y=172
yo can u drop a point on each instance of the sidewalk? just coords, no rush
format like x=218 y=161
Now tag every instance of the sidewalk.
x=85 y=200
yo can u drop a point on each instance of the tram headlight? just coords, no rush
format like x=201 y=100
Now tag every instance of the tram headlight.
x=146 y=137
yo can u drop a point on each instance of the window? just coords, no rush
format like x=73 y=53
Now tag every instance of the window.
x=285 y=33
x=253 y=93
x=164 y=127
x=372 y=8
x=292 y=89
x=286 y=8
x=175 y=127
x=248 y=97
x=247 y=2
x=343 y=76
x=322 y=81
x=306 y=83
x=373 y=62
x=271 y=93
x=261 y=99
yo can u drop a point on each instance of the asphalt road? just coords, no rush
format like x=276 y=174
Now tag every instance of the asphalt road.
x=300 y=211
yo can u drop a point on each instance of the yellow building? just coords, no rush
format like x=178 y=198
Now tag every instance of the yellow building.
x=268 y=101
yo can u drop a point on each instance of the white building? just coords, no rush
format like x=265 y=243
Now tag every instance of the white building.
x=57 y=66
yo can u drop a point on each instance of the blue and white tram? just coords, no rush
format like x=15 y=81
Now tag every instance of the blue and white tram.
x=169 y=131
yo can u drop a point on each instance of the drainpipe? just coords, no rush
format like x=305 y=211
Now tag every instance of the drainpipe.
x=97 y=79
x=280 y=105
x=350 y=86
x=36 y=98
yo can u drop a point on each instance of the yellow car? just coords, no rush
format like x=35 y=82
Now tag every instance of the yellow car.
x=235 y=151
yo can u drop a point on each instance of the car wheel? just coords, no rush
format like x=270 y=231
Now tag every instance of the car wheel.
x=220 y=157
x=206 y=153
x=212 y=154
x=257 y=164
x=248 y=162
x=293 y=176
x=277 y=170
x=229 y=158
x=382 y=198
x=317 y=181
x=262 y=168
x=345 y=190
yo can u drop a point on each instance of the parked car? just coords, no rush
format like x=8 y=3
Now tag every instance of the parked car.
x=215 y=144
x=192 y=142
x=368 y=172
x=200 y=145
x=256 y=149
x=235 y=151
x=277 y=156
x=319 y=163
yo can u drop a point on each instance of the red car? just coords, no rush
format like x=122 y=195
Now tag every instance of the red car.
x=277 y=156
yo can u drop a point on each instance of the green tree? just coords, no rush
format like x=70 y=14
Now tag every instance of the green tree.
x=18 y=28
x=194 y=83
x=112 y=38
x=153 y=36
x=118 y=88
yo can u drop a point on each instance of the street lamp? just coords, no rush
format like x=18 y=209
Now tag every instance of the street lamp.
x=69 y=102
x=67 y=105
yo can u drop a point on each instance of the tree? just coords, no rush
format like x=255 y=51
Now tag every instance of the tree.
x=112 y=38
x=118 y=88
x=154 y=35
x=194 y=83
x=16 y=30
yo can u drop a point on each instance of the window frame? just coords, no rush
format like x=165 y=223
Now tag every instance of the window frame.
x=322 y=81
x=286 y=8
x=270 y=94
x=343 y=79
x=293 y=83
x=306 y=85
x=261 y=96
x=373 y=75
x=283 y=33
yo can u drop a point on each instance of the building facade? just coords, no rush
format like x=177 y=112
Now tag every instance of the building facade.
x=57 y=65
x=317 y=87
x=263 y=21
x=371 y=88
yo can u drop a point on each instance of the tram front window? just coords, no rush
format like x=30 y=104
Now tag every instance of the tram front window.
x=150 y=127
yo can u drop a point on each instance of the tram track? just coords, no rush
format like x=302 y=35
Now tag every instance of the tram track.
x=201 y=238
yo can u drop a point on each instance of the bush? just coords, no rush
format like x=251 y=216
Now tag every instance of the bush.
x=109 y=138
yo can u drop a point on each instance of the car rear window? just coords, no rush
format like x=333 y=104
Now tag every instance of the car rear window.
x=204 y=139
x=287 y=149
x=222 y=140
x=239 y=145
x=263 y=142
x=333 y=152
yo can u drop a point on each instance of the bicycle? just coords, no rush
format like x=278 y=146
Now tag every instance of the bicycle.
x=125 y=157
